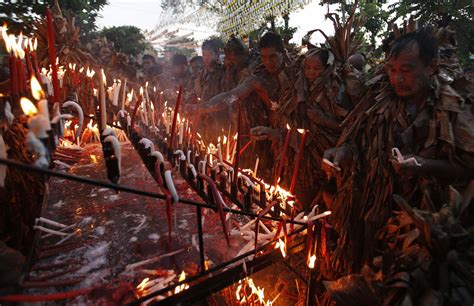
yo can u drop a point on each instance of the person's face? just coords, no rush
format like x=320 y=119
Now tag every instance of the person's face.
x=409 y=76
x=271 y=59
x=179 y=70
x=147 y=63
x=313 y=68
x=196 y=67
x=209 y=58
x=105 y=53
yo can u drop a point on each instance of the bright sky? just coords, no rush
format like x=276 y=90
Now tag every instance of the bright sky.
x=145 y=15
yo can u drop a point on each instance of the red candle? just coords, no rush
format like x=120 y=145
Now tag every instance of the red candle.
x=20 y=75
x=13 y=75
x=35 y=59
x=137 y=106
x=298 y=160
x=237 y=155
x=28 y=63
x=52 y=55
x=175 y=117
x=282 y=155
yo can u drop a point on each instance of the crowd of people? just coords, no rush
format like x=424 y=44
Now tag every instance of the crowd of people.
x=404 y=127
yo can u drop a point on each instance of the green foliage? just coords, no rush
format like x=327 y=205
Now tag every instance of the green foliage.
x=127 y=39
x=20 y=15
x=457 y=13
x=174 y=49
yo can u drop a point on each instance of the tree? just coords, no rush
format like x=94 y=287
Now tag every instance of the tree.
x=457 y=13
x=127 y=39
x=20 y=15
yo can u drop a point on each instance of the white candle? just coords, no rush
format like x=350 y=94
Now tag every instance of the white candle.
x=124 y=94
x=103 y=111
x=181 y=132
x=219 y=148
x=116 y=92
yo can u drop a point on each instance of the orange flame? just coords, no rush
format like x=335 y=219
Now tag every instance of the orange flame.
x=36 y=89
x=28 y=107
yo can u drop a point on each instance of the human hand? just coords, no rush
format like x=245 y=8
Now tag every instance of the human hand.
x=334 y=159
x=263 y=133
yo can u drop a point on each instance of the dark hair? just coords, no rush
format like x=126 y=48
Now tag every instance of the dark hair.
x=271 y=40
x=212 y=45
x=179 y=59
x=236 y=45
x=148 y=56
x=322 y=54
x=427 y=45
x=196 y=59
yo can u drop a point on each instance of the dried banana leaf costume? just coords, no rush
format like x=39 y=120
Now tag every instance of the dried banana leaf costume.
x=442 y=129
x=208 y=85
x=258 y=111
x=326 y=96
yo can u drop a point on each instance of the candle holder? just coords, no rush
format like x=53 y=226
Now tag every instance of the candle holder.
x=46 y=143
x=182 y=168
x=111 y=162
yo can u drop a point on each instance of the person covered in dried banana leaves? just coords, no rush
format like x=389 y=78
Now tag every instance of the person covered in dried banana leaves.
x=258 y=96
x=411 y=135
x=208 y=85
x=317 y=102
x=239 y=65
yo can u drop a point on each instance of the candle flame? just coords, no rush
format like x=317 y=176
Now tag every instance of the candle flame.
x=225 y=140
x=35 y=44
x=28 y=107
x=81 y=70
x=130 y=96
x=182 y=287
x=20 y=40
x=141 y=90
x=104 y=78
x=245 y=298
x=288 y=127
x=311 y=262
x=146 y=84
x=36 y=89
x=282 y=247
x=5 y=37
x=142 y=285
x=301 y=131
x=93 y=158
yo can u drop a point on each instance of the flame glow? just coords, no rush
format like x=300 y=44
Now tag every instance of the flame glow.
x=256 y=295
x=311 y=262
x=36 y=89
x=28 y=107
x=182 y=287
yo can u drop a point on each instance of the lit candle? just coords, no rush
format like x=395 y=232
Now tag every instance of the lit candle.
x=10 y=44
x=298 y=159
x=137 y=106
x=33 y=46
x=38 y=94
x=124 y=94
x=237 y=145
x=175 y=117
x=52 y=54
x=103 y=110
x=282 y=155
x=219 y=149
x=37 y=123
x=116 y=92
x=181 y=132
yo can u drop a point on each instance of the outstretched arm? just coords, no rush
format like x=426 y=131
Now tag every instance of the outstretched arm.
x=227 y=99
